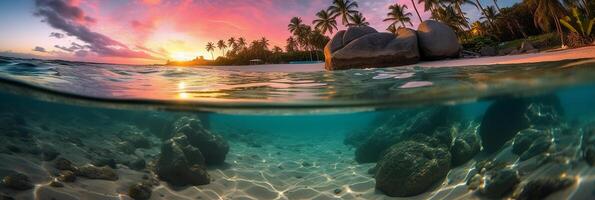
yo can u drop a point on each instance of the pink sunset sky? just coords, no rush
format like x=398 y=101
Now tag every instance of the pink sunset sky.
x=152 y=31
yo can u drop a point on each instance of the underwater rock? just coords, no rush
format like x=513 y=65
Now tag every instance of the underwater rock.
x=531 y=142
x=110 y=162
x=141 y=191
x=181 y=164
x=57 y=184
x=464 y=148
x=364 y=47
x=67 y=176
x=589 y=144
x=474 y=182
x=505 y=118
x=64 y=164
x=543 y=187
x=371 y=149
x=499 y=183
x=437 y=41
x=213 y=147
x=17 y=181
x=93 y=172
x=410 y=168
x=405 y=125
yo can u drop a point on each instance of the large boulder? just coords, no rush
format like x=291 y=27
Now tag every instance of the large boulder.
x=541 y=188
x=93 y=172
x=531 y=142
x=437 y=41
x=364 y=47
x=213 y=147
x=499 y=183
x=589 y=143
x=505 y=118
x=402 y=126
x=465 y=146
x=181 y=164
x=410 y=168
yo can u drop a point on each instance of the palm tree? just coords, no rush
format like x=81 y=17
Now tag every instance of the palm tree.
x=398 y=13
x=211 y=48
x=490 y=14
x=392 y=28
x=579 y=4
x=506 y=17
x=478 y=4
x=458 y=4
x=302 y=35
x=264 y=42
x=358 y=19
x=496 y=4
x=241 y=42
x=431 y=5
x=292 y=45
x=221 y=45
x=546 y=9
x=295 y=24
x=325 y=22
x=344 y=8
x=417 y=12
x=277 y=49
x=450 y=17
x=231 y=42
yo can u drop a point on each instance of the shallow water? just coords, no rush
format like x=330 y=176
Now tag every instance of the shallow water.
x=478 y=132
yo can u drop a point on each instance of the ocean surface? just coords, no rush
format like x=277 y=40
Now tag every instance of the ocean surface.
x=73 y=130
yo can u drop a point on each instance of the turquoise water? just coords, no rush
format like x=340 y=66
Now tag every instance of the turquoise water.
x=97 y=131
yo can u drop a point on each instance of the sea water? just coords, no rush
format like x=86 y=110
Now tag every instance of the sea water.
x=98 y=131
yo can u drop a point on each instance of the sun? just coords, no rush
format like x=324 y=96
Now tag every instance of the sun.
x=183 y=56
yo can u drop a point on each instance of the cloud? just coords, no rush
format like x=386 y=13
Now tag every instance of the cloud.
x=57 y=35
x=63 y=16
x=39 y=49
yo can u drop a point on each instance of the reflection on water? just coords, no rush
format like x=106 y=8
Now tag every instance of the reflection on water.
x=393 y=86
x=95 y=131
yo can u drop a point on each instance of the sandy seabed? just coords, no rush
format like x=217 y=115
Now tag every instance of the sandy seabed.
x=287 y=167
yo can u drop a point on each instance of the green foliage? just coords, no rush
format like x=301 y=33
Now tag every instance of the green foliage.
x=268 y=57
x=544 y=41
x=478 y=42
x=581 y=24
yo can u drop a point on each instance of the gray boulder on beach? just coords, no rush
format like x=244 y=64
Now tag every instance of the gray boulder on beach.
x=364 y=47
x=437 y=41
x=410 y=168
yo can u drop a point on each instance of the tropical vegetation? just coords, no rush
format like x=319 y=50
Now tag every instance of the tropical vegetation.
x=529 y=20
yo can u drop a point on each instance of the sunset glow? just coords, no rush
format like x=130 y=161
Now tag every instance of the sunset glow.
x=153 y=31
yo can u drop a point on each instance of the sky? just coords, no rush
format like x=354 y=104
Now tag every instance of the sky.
x=152 y=31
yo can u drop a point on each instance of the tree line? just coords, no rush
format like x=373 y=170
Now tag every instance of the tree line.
x=529 y=17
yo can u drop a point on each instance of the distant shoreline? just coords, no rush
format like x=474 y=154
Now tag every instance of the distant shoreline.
x=545 y=56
